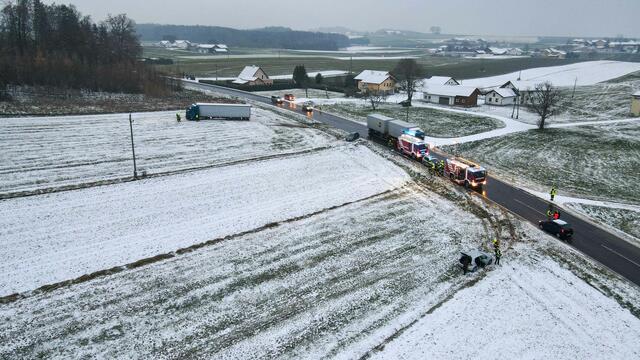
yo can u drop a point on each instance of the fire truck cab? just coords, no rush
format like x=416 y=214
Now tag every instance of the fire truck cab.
x=412 y=146
x=465 y=172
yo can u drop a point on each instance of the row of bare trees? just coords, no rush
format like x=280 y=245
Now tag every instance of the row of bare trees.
x=55 y=45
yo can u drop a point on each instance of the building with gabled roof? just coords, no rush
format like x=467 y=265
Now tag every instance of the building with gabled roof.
x=440 y=80
x=500 y=97
x=376 y=81
x=457 y=95
x=253 y=75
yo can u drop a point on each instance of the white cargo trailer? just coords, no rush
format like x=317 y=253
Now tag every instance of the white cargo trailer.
x=219 y=111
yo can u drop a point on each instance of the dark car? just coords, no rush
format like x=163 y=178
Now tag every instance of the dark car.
x=352 y=137
x=559 y=228
x=474 y=260
x=429 y=159
x=307 y=107
x=276 y=99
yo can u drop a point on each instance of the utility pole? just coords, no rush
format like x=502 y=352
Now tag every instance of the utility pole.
x=216 y=72
x=133 y=149
x=574 y=88
x=351 y=65
x=407 y=113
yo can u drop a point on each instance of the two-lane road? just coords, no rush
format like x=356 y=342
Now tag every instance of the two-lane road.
x=601 y=245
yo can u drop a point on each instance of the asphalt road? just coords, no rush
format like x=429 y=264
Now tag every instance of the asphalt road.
x=603 y=246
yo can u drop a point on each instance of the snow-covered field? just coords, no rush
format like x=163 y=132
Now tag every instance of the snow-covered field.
x=55 y=237
x=531 y=307
x=324 y=286
x=622 y=218
x=586 y=73
x=43 y=152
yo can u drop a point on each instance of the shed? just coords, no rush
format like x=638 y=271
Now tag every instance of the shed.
x=457 y=95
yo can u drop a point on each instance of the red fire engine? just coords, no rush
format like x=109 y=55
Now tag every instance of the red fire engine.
x=412 y=146
x=465 y=172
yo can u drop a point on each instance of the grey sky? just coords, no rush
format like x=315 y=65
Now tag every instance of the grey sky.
x=483 y=17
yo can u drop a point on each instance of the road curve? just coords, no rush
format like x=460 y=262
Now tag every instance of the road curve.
x=601 y=245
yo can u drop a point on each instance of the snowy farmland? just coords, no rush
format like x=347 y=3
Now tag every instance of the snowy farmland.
x=317 y=287
x=55 y=237
x=531 y=307
x=582 y=73
x=45 y=152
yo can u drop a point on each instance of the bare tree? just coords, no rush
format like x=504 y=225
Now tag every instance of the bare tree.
x=545 y=101
x=409 y=75
x=374 y=97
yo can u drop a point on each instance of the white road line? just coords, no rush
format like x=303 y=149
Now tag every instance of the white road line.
x=622 y=256
x=536 y=210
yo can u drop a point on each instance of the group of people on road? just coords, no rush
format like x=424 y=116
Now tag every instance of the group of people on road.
x=436 y=167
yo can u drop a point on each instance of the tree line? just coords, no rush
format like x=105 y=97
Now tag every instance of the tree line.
x=55 y=45
x=271 y=37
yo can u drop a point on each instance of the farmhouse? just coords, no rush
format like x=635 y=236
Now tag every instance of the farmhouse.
x=440 y=80
x=521 y=88
x=500 y=97
x=635 y=104
x=376 y=81
x=458 y=95
x=253 y=75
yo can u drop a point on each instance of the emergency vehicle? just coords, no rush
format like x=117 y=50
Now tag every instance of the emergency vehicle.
x=465 y=172
x=412 y=146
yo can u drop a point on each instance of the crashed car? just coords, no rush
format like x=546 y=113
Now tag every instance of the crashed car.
x=352 y=137
x=474 y=260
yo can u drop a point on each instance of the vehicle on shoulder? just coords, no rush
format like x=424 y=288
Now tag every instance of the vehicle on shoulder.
x=352 y=137
x=559 y=228
x=430 y=159
x=289 y=97
x=474 y=260
x=276 y=99
x=466 y=173
x=412 y=146
x=307 y=106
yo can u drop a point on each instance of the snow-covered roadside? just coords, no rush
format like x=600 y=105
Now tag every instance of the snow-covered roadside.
x=529 y=307
x=51 y=238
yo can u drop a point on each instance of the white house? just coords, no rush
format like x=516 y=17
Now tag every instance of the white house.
x=500 y=97
x=451 y=95
x=206 y=48
x=440 y=80
x=253 y=75
x=181 y=44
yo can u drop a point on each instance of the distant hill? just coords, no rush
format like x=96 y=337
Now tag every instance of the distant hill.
x=272 y=37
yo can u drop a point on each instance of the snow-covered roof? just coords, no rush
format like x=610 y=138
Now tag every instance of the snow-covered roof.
x=222 y=46
x=373 y=76
x=206 y=46
x=504 y=92
x=637 y=94
x=449 y=90
x=249 y=73
x=437 y=80
x=182 y=42
x=220 y=50
x=498 y=51
x=242 y=81
x=521 y=85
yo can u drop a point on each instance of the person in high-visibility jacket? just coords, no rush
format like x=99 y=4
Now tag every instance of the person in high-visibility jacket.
x=498 y=256
x=549 y=214
x=553 y=192
x=178 y=117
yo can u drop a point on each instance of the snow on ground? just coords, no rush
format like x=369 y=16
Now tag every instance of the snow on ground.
x=309 y=289
x=494 y=57
x=587 y=73
x=325 y=73
x=523 y=309
x=358 y=50
x=42 y=152
x=50 y=238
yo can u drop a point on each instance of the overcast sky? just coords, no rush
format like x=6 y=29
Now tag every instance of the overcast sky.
x=481 y=17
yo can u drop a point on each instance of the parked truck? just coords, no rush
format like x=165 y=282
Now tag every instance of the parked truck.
x=465 y=172
x=389 y=129
x=201 y=111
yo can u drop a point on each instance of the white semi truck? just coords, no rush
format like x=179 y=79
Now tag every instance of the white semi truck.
x=201 y=111
x=386 y=128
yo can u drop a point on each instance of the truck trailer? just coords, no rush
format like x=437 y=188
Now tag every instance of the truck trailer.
x=201 y=111
x=389 y=129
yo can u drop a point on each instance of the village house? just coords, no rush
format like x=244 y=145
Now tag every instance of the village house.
x=212 y=48
x=635 y=104
x=500 y=97
x=253 y=75
x=521 y=88
x=376 y=82
x=458 y=95
x=440 y=80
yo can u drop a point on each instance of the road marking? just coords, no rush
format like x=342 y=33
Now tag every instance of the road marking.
x=536 y=210
x=622 y=256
